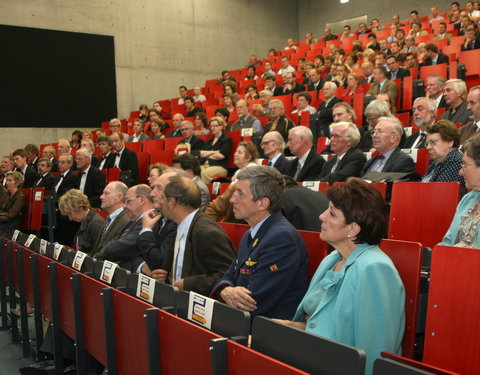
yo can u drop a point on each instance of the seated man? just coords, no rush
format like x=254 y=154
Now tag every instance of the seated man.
x=108 y=157
x=157 y=106
x=386 y=139
x=382 y=85
x=122 y=249
x=202 y=251
x=278 y=121
x=32 y=155
x=197 y=94
x=188 y=130
x=45 y=178
x=290 y=85
x=269 y=275
x=395 y=70
x=271 y=84
x=49 y=153
x=177 y=122
x=433 y=57
x=190 y=107
x=183 y=91
x=20 y=160
x=434 y=90
x=273 y=146
x=348 y=160
x=88 y=144
x=324 y=113
x=91 y=181
x=245 y=120
x=455 y=93
x=424 y=114
x=125 y=159
x=307 y=165
x=138 y=134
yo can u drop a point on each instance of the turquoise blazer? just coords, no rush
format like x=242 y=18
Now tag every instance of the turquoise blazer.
x=362 y=305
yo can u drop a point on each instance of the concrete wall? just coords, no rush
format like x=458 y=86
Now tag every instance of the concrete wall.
x=313 y=15
x=159 y=44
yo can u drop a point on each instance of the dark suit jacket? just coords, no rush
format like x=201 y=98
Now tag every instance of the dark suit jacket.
x=143 y=137
x=34 y=164
x=54 y=165
x=47 y=182
x=29 y=177
x=401 y=73
x=95 y=160
x=109 y=163
x=466 y=131
x=366 y=142
x=278 y=90
x=442 y=59
x=397 y=162
x=13 y=210
x=311 y=168
x=113 y=231
x=154 y=244
x=469 y=48
x=311 y=86
x=282 y=164
x=129 y=162
x=208 y=254
x=93 y=186
x=301 y=205
x=283 y=127
x=70 y=181
x=412 y=139
x=350 y=166
x=273 y=266
x=174 y=133
x=195 y=143
x=324 y=118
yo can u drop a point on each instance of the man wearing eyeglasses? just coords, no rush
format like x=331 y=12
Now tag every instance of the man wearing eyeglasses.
x=273 y=146
x=123 y=248
x=386 y=139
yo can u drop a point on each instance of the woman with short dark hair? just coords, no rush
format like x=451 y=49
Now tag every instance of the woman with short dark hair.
x=12 y=204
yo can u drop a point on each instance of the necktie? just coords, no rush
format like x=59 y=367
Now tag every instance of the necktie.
x=394 y=75
x=335 y=165
x=107 y=224
x=39 y=181
x=299 y=168
x=381 y=157
x=269 y=164
x=421 y=138
x=59 y=182
x=175 y=258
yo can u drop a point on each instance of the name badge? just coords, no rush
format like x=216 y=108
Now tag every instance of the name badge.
x=145 y=288
x=108 y=270
x=43 y=247
x=78 y=260
x=57 y=250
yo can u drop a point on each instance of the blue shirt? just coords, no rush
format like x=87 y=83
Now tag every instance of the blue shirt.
x=182 y=232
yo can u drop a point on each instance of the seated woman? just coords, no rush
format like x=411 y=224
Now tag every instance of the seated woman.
x=213 y=155
x=154 y=172
x=230 y=87
x=353 y=87
x=356 y=296
x=201 y=124
x=76 y=139
x=464 y=230
x=351 y=61
x=244 y=157
x=229 y=102
x=252 y=93
x=12 y=204
x=87 y=134
x=76 y=206
x=157 y=126
x=443 y=139
x=303 y=103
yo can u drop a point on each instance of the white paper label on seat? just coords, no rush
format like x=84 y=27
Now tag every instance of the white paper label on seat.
x=200 y=309
x=78 y=260
x=312 y=185
x=248 y=132
x=29 y=240
x=145 y=288
x=216 y=187
x=57 y=250
x=108 y=271
x=43 y=247
x=38 y=196
x=15 y=235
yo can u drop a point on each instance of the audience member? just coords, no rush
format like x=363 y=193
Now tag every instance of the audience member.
x=409 y=45
x=154 y=172
x=91 y=181
x=6 y=166
x=177 y=122
x=286 y=67
x=271 y=84
x=395 y=71
x=382 y=85
x=157 y=106
x=324 y=113
x=278 y=120
x=307 y=165
x=316 y=81
x=190 y=107
x=348 y=160
x=125 y=159
x=32 y=155
x=12 y=204
x=273 y=147
x=76 y=139
x=88 y=144
x=67 y=179
x=188 y=132
x=424 y=114
x=290 y=44
x=114 y=126
x=290 y=85
x=251 y=93
x=434 y=90
x=245 y=120
x=473 y=107
x=471 y=40
x=76 y=206
x=367 y=70
x=303 y=103
x=108 y=157
x=157 y=127
x=364 y=280
x=201 y=123
x=433 y=57
x=455 y=93
x=442 y=32
x=50 y=153
x=20 y=160
x=328 y=35
x=138 y=132
x=45 y=178
x=183 y=91
x=197 y=95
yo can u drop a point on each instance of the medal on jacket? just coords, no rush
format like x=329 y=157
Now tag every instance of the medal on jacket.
x=249 y=262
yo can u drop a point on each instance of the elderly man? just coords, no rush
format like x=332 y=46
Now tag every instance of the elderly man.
x=473 y=106
x=307 y=165
x=245 y=120
x=202 y=251
x=424 y=114
x=273 y=146
x=125 y=159
x=434 y=90
x=328 y=35
x=263 y=109
x=45 y=178
x=471 y=39
x=6 y=166
x=91 y=181
x=348 y=160
x=108 y=157
x=188 y=131
x=278 y=121
x=90 y=146
x=191 y=166
x=376 y=109
x=455 y=93
x=114 y=126
x=269 y=274
x=20 y=160
x=122 y=249
x=386 y=140
x=367 y=70
x=324 y=114
x=383 y=85
x=138 y=134
x=177 y=122
x=67 y=179
x=271 y=84
x=442 y=32
x=409 y=45
x=113 y=200
x=49 y=153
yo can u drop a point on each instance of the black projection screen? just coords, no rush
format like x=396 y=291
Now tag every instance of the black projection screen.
x=52 y=78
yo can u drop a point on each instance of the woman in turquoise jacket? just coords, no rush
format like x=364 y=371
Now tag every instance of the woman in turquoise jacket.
x=356 y=296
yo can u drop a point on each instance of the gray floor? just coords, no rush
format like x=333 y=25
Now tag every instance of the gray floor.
x=11 y=354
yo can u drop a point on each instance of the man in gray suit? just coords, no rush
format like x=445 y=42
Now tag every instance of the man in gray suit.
x=138 y=134
x=112 y=199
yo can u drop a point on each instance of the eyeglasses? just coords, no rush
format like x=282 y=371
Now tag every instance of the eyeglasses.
x=464 y=165
x=336 y=136
x=215 y=125
x=372 y=120
x=128 y=200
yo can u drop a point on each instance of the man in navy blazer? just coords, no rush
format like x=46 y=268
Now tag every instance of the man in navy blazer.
x=268 y=276
x=386 y=139
x=91 y=181
x=273 y=146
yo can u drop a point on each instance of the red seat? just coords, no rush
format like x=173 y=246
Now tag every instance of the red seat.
x=113 y=174
x=407 y=258
x=316 y=248
x=440 y=69
x=153 y=144
x=404 y=118
x=172 y=142
x=134 y=146
x=25 y=225
x=322 y=143
x=37 y=208
x=234 y=231
x=143 y=163
x=162 y=156
x=407 y=96
x=416 y=213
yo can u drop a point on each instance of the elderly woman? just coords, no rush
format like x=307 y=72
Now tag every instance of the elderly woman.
x=154 y=172
x=443 y=139
x=213 y=155
x=356 y=296
x=303 y=103
x=76 y=206
x=464 y=230
x=353 y=87
x=221 y=207
x=12 y=204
